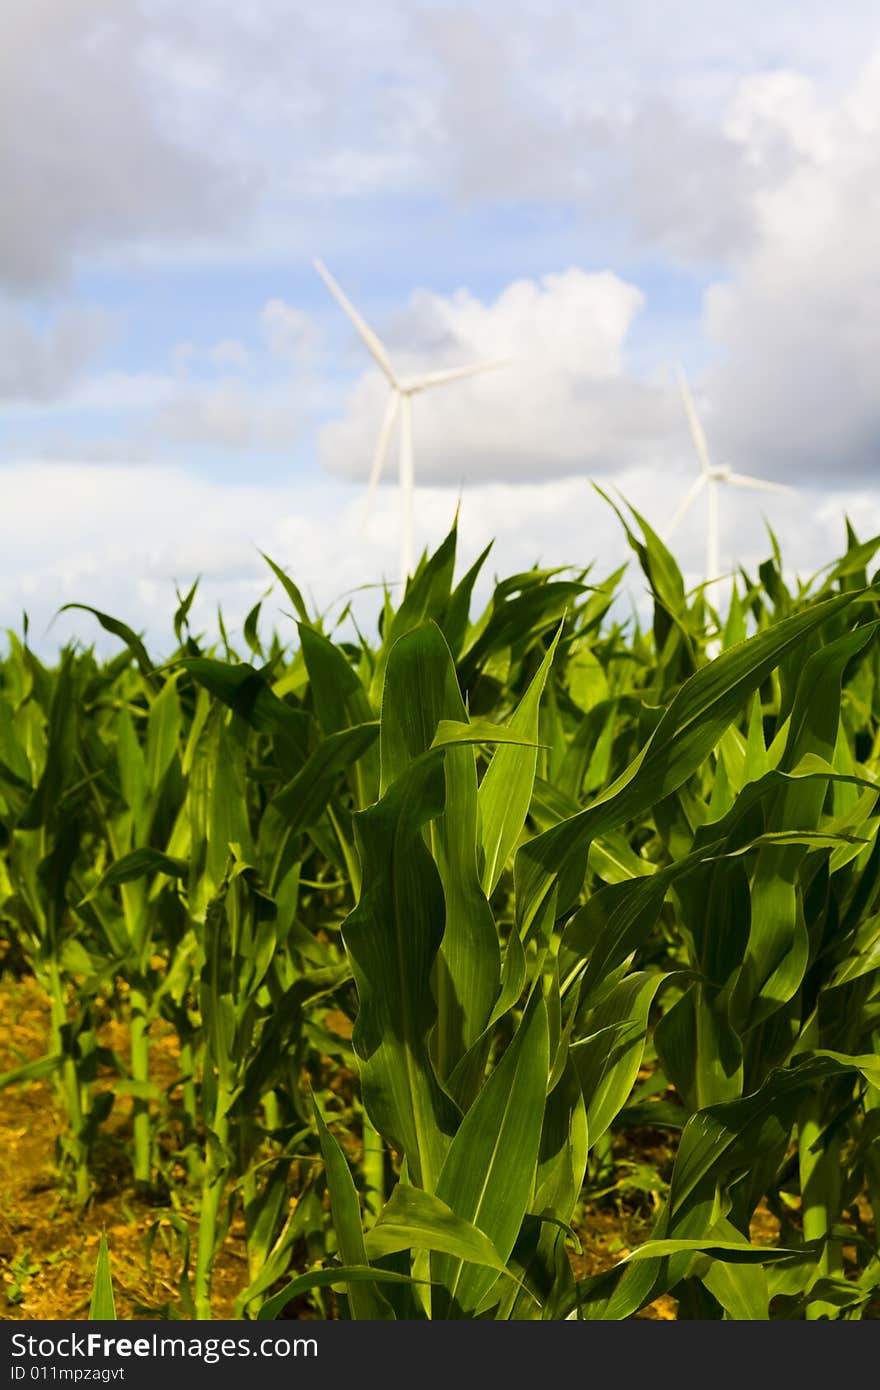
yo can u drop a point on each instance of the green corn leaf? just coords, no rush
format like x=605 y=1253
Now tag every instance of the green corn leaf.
x=137 y=864
x=393 y=937
x=246 y=691
x=228 y=822
x=422 y=704
x=304 y=798
x=736 y=1252
x=415 y=1220
x=519 y=618
x=607 y=1066
x=699 y=1049
x=32 y=1071
x=163 y=734
x=867 y=1064
x=455 y=733
x=656 y=1267
x=614 y=861
x=687 y=732
x=540 y=1255
x=118 y=629
x=60 y=749
x=489 y=1171
x=365 y=1302
x=339 y=697
x=426 y=599
x=742 y=1290
x=454 y=624
x=103 y=1305
x=344 y=1275
x=777 y=951
x=506 y=789
x=289 y=588
x=132 y=767
x=740 y=1139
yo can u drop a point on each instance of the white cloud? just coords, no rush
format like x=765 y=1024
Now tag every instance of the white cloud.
x=740 y=137
x=219 y=415
x=563 y=404
x=228 y=415
x=102 y=449
x=796 y=388
x=119 y=538
x=230 y=353
x=290 y=334
x=41 y=366
x=84 y=160
x=119 y=391
x=111 y=392
x=619 y=113
x=112 y=118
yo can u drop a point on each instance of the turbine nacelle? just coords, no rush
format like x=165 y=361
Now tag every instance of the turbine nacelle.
x=413 y=385
x=400 y=397
x=711 y=476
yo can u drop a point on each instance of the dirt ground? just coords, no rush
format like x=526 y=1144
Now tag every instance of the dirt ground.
x=48 y=1247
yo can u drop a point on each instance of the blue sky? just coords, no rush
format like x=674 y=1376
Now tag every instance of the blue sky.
x=597 y=194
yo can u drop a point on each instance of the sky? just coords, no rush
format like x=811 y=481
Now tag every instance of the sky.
x=594 y=193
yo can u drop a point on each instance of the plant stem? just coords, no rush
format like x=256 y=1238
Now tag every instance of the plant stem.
x=140 y=1071
x=373 y=1169
x=71 y=1089
x=216 y=1166
x=190 y=1112
x=820 y=1182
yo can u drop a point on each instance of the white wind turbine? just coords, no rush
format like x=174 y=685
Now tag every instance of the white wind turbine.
x=711 y=476
x=400 y=399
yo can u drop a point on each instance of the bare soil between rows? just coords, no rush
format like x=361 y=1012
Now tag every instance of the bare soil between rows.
x=48 y=1246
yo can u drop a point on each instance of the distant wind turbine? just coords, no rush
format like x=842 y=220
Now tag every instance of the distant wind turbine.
x=711 y=476
x=400 y=400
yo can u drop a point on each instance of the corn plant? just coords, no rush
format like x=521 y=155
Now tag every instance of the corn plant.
x=520 y=854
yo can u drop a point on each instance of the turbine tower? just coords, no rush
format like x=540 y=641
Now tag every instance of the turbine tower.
x=399 y=402
x=711 y=476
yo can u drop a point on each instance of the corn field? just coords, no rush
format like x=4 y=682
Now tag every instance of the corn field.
x=433 y=917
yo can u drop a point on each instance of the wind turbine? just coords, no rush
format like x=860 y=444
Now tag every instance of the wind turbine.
x=399 y=401
x=711 y=476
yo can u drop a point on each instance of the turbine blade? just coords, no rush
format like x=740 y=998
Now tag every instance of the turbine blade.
x=380 y=454
x=759 y=484
x=697 y=434
x=365 y=332
x=424 y=383
x=407 y=493
x=686 y=502
x=713 y=534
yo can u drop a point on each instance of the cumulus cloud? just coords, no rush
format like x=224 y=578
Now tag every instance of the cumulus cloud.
x=619 y=116
x=112 y=117
x=562 y=403
x=237 y=395
x=41 y=365
x=230 y=353
x=290 y=334
x=687 y=138
x=685 y=188
x=120 y=539
x=102 y=449
x=228 y=415
x=796 y=388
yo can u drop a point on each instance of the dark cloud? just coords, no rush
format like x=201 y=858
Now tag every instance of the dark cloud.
x=39 y=366
x=84 y=161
